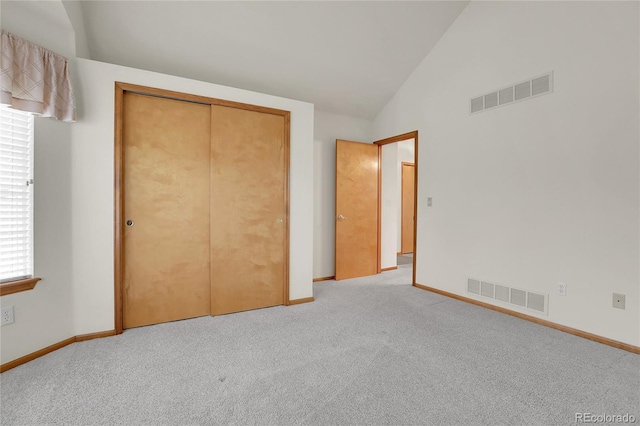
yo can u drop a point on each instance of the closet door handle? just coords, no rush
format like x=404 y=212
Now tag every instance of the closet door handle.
x=129 y=223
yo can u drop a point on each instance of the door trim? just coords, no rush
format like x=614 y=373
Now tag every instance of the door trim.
x=409 y=135
x=120 y=89
x=379 y=266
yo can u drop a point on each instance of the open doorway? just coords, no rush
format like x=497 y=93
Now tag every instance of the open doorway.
x=407 y=218
x=398 y=196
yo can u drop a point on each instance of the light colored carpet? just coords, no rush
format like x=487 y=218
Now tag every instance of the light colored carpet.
x=367 y=351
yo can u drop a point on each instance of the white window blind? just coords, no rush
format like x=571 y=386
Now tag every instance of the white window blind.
x=16 y=195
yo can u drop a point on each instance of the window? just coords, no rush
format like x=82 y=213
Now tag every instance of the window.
x=16 y=195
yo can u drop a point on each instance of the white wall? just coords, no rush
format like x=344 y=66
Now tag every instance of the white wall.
x=405 y=155
x=43 y=316
x=389 y=213
x=541 y=191
x=93 y=176
x=329 y=127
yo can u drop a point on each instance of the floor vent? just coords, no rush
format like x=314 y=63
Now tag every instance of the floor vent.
x=509 y=295
x=516 y=92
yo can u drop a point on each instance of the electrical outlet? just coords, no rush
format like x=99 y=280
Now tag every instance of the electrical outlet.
x=562 y=289
x=429 y=202
x=618 y=300
x=7 y=315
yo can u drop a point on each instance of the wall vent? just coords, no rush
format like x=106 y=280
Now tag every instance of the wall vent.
x=523 y=90
x=540 y=85
x=502 y=293
x=506 y=95
x=535 y=301
x=519 y=297
x=509 y=295
x=473 y=286
x=486 y=289
x=477 y=104
x=491 y=100
x=531 y=88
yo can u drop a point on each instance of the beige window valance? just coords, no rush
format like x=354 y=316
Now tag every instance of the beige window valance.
x=35 y=79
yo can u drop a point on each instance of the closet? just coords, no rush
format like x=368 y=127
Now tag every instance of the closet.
x=201 y=206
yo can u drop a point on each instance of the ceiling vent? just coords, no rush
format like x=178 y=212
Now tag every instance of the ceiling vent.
x=509 y=295
x=516 y=92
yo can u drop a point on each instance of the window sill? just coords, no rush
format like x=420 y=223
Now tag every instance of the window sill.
x=18 y=286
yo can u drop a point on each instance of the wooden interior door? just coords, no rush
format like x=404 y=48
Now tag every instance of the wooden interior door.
x=357 y=185
x=408 y=201
x=248 y=209
x=166 y=146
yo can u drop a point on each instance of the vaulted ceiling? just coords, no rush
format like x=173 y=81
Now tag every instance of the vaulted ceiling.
x=346 y=57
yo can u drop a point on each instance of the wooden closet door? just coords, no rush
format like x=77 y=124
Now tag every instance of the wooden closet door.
x=248 y=209
x=166 y=194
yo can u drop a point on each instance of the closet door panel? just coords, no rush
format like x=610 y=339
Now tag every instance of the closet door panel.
x=247 y=209
x=166 y=164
